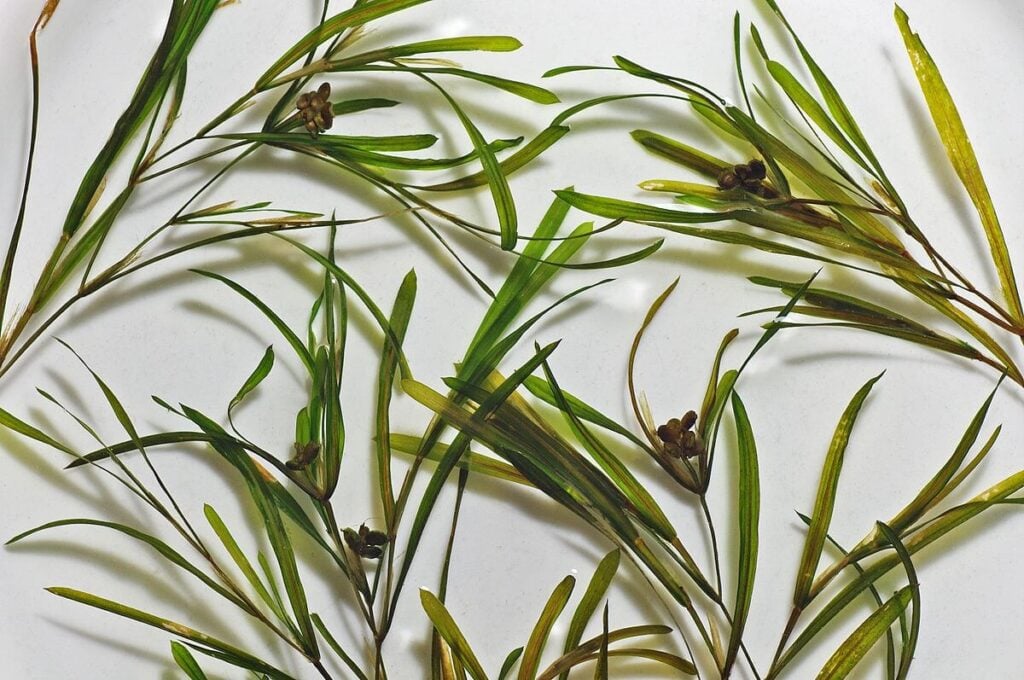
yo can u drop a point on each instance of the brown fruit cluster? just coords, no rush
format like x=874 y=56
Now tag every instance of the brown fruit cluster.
x=303 y=456
x=367 y=543
x=679 y=438
x=315 y=109
x=749 y=177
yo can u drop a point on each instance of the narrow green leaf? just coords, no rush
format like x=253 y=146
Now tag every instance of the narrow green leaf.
x=587 y=650
x=865 y=636
x=601 y=670
x=528 y=91
x=539 y=637
x=910 y=639
x=233 y=654
x=646 y=508
x=806 y=102
x=380 y=160
x=449 y=630
x=327 y=142
x=337 y=648
x=535 y=147
x=358 y=15
x=164 y=550
x=352 y=285
x=510 y=662
x=184 y=25
x=836 y=106
x=296 y=344
x=825 y=500
x=474 y=462
x=711 y=392
x=914 y=541
x=748 y=500
x=454 y=453
x=12 y=422
x=470 y=43
x=500 y=192
x=542 y=390
x=961 y=154
x=890 y=647
x=401 y=312
x=619 y=261
x=592 y=597
x=678 y=152
x=261 y=371
x=186 y=661
x=358 y=105
x=239 y=558
x=277 y=534
x=937 y=486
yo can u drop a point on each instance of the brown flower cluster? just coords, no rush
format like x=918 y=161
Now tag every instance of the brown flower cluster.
x=367 y=543
x=679 y=438
x=304 y=454
x=749 y=177
x=315 y=109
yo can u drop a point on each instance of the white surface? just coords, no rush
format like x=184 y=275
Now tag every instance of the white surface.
x=160 y=334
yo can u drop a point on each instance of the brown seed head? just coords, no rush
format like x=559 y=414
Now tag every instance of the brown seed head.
x=727 y=179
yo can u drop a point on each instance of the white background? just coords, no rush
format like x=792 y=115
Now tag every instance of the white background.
x=189 y=339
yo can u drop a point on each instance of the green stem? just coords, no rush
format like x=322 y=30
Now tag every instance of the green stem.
x=714 y=543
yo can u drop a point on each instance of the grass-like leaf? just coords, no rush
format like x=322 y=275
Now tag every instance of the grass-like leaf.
x=592 y=597
x=449 y=630
x=825 y=498
x=186 y=662
x=911 y=636
x=748 y=500
x=539 y=636
x=961 y=154
x=226 y=651
x=853 y=649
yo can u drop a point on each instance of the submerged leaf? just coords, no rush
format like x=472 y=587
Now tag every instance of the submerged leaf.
x=961 y=154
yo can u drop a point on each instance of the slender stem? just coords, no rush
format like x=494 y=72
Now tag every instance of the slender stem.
x=794 y=616
x=194 y=159
x=318 y=665
x=743 y=647
x=714 y=542
x=12 y=248
x=335 y=533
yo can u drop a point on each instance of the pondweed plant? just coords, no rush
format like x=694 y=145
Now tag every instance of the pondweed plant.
x=297 y=493
x=298 y=108
x=536 y=434
x=806 y=179
x=584 y=474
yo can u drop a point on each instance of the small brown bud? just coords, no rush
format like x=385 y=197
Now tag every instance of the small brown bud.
x=757 y=169
x=727 y=179
x=304 y=455
x=367 y=543
x=670 y=431
x=689 y=419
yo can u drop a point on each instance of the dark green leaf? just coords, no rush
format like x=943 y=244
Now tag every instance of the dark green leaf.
x=748 y=500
